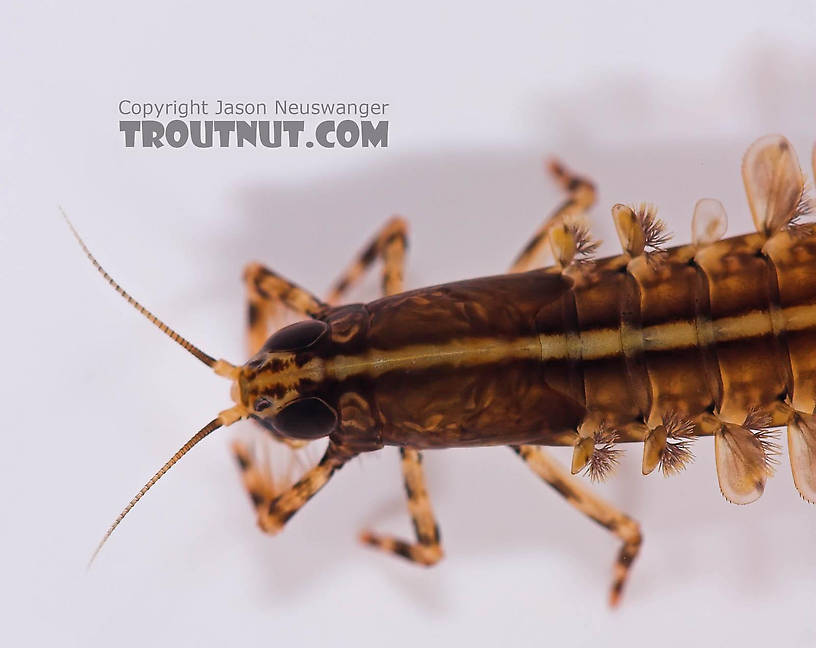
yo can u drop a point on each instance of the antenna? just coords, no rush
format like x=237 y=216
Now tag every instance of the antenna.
x=198 y=353
x=198 y=436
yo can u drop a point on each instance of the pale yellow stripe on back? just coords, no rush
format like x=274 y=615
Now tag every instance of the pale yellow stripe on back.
x=587 y=345
x=465 y=352
x=554 y=347
x=798 y=318
x=753 y=324
x=671 y=335
x=600 y=343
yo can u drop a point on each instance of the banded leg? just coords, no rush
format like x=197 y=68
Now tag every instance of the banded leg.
x=266 y=291
x=427 y=549
x=274 y=508
x=389 y=244
x=580 y=197
x=624 y=527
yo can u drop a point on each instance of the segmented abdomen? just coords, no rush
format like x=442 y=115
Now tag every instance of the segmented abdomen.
x=716 y=337
x=729 y=328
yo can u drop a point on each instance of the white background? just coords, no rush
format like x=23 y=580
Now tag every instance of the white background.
x=654 y=103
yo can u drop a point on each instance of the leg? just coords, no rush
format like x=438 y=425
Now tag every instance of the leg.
x=265 y=292
x=257 y=481
x=389 y=244
x=581 y=196
x=275 y=508
x=426 y=550
x=591 y=505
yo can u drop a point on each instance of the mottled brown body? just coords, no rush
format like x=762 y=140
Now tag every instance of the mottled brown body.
x=459 y=364
x=655 y=345
x=717 y=337
x=522 y=358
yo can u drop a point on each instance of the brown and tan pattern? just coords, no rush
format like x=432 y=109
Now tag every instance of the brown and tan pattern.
x=593 y=507
x=659 y=345
x=427 y=549
x=275 y=508
x=355 y=411
x=580 y=197
x=389 y=244
x=266 y=291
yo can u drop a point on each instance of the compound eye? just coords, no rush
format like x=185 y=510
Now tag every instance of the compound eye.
x=306 y=418
x=296 y=336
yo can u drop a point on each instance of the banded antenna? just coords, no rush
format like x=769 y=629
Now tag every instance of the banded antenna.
x=221 y=367
x=198 y=353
